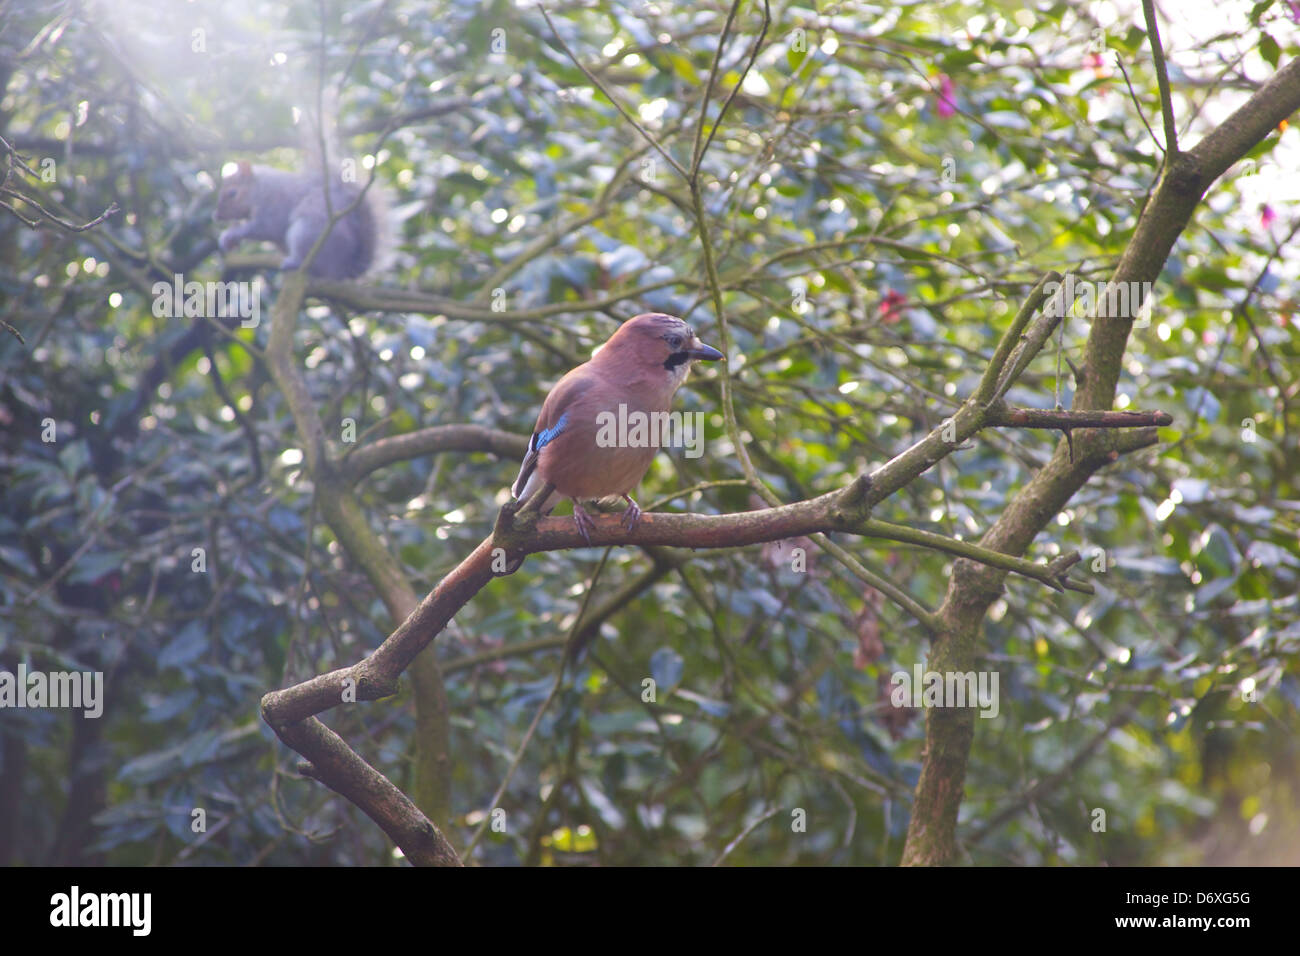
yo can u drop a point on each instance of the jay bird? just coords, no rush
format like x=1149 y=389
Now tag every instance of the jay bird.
x=643 y=363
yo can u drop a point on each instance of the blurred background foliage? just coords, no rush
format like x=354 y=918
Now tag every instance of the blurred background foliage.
x=889 y=182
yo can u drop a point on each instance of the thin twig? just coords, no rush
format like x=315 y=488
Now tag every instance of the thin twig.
x=1132 y=93
x=753 y=825
x=1162 y=78
x=610 y=96
x=701 y=149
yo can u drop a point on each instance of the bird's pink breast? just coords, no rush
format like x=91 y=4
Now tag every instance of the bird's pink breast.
x=587 y=471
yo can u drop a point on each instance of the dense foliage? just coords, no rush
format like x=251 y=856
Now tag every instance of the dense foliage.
x=886 y=187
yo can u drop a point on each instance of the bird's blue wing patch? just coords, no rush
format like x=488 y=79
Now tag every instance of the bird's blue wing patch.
x=545 y=436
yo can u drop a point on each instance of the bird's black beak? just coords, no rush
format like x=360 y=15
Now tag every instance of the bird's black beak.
x=702 y=352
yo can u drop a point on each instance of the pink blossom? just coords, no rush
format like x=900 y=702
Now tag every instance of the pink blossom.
x=946 y=106
x=891 y=307
x=1097 y=63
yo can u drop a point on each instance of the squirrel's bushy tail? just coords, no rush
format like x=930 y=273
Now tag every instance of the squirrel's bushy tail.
x=378 y=222
x=320 y=138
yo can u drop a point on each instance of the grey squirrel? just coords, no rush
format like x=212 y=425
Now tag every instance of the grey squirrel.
x=290 y=209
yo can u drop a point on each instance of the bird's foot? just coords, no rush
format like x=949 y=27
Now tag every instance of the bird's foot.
x=584 y=522
x=632 y=515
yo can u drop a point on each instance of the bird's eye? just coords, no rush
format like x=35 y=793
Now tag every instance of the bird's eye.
x=674 y=342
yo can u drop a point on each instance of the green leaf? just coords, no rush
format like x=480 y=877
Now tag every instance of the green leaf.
x=1269 y=50
x=666 y=667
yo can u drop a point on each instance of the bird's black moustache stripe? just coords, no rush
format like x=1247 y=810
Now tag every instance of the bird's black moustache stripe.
x=676 y=359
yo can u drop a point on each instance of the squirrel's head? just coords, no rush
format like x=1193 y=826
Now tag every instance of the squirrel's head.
x=235 y=198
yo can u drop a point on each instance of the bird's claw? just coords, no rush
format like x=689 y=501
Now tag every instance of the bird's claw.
x=632 y=515
x=584 y=522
